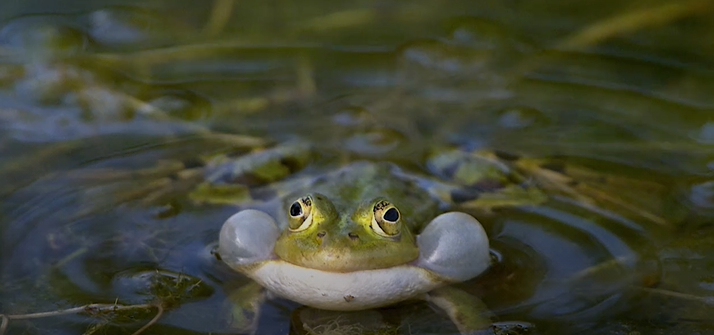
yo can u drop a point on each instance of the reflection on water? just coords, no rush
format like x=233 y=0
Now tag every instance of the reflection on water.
x=102 y=107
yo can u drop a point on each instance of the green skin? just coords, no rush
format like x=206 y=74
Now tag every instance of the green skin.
x=345 y=233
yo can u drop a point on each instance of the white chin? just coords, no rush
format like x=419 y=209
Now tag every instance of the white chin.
x=348 y=291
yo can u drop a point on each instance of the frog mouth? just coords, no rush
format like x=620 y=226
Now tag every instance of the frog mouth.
x=336 y=259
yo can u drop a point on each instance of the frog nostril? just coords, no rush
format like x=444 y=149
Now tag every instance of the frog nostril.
x=321 y=234
x=353 y=236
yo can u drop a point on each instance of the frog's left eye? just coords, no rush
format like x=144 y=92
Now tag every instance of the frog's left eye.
x=386 y=218
x=300 y=214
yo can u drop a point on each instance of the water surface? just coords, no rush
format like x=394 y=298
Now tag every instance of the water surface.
x=93 y=92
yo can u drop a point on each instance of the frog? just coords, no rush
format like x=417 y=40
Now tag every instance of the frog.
x=361 y=237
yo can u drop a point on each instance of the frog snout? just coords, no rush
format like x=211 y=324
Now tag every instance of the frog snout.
x=326 y=238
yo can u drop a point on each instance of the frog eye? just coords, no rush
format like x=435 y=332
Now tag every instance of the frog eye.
x=385 y=221
x=300 y=213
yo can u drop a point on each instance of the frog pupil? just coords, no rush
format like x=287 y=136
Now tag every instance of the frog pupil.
x=295 y=209
x=391 y=215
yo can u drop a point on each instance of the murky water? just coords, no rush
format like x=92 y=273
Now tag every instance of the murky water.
x=103 y=103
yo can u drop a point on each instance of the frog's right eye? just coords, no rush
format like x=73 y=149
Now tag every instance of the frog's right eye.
x=300 y=214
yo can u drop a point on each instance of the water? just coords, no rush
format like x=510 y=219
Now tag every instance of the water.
x=91 y=91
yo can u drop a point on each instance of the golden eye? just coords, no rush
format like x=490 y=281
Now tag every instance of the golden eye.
x=300 y=213
x=386 y=218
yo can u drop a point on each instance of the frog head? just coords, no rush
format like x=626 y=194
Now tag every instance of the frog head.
x=452 y=248
x=361 y=237
x=370 y=235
